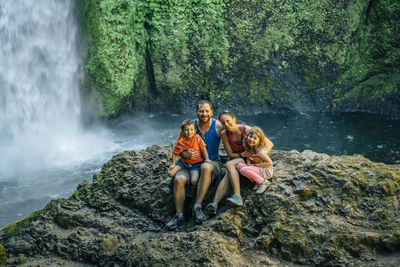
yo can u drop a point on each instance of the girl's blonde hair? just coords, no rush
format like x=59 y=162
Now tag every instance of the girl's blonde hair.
x=256 y=131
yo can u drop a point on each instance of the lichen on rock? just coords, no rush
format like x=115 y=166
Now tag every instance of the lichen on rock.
x=319 y=210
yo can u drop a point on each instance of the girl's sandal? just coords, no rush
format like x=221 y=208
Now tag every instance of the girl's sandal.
x=263 y=186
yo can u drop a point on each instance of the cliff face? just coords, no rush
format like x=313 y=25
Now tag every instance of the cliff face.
x=247 y=55
x=319 y=210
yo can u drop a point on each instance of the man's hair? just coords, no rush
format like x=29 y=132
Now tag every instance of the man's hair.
x=186 y=122
x=201 y=102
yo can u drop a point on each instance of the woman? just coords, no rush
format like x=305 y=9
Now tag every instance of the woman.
x=232 y=138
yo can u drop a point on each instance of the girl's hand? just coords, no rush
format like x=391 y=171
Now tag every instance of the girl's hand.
x=208 y=161
x=246 y=154
x=171 y=166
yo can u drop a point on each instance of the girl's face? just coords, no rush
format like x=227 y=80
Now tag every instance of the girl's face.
x=228 y=122
x=253 y=140
x=189 y=131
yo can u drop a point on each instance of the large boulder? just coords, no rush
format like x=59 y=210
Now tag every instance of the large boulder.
x=319 y=210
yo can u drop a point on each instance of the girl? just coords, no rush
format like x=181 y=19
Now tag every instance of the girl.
x=258 y=166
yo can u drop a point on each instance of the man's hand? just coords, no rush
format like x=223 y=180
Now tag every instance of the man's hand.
x=171 y=166
x=190 y=154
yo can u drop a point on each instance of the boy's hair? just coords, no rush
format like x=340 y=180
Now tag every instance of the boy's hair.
x=201 y=102
x=229 y=113
x=185 y=123
x=256 y=131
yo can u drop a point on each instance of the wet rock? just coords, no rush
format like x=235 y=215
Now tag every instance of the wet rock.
x=319 y=210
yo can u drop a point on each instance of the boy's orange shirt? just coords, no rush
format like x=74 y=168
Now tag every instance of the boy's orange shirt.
x=196 y=143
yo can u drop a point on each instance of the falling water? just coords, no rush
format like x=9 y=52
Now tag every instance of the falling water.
x=40 y=72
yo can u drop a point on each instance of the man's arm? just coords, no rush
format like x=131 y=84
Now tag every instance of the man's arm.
x=218 y=127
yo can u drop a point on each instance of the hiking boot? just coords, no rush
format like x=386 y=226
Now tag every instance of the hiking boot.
x=199 y=215
x=174 y=222
x=211 y=209
x=263 y=187
x=235 y=200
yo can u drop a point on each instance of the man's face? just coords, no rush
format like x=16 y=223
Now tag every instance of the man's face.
x=204 y=113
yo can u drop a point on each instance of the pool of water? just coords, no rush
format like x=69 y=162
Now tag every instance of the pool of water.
x=32 y=174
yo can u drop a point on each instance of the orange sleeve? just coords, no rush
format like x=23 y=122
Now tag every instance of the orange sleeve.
x=178 y=148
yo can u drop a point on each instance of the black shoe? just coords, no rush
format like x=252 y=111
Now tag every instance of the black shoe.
x=174 y=222
x=199 y=215
x=211 y=209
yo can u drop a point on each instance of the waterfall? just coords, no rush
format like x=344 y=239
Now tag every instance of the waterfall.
x=40 y=73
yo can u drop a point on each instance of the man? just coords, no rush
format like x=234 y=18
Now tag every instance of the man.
x=210 y=130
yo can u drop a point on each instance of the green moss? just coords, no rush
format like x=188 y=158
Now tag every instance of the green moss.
x=159 y=50
x=15 y=227
x=3 y=259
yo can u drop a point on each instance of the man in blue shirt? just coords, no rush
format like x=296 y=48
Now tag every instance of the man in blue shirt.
x=210 y=130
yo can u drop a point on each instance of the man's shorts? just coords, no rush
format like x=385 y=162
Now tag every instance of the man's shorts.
x=190 y=167
x=215 y=175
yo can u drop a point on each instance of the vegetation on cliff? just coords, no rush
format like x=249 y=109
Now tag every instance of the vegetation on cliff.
x=295 y=55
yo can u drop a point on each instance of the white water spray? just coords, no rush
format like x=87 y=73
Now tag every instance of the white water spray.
x=40 y=72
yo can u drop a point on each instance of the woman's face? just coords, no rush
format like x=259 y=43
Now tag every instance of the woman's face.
x=228 y=122
x=253 y=140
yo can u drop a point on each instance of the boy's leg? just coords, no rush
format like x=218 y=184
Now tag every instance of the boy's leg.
x=173 y=171
x=194 y=176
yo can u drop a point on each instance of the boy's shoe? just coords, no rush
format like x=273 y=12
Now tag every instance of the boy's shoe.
x=211 y=208
x=199 y=215
x=235 y=200
x=263 y=186
x=174 y=222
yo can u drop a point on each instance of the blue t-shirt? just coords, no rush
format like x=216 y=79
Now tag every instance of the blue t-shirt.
x=211 y=139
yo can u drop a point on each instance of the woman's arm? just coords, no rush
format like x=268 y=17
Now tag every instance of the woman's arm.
x=227 y=146
x=270 y=145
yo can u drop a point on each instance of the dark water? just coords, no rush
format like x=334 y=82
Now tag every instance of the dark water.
x=375 y=137
x=55 y=172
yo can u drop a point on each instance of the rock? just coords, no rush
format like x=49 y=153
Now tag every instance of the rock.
x=319 y=210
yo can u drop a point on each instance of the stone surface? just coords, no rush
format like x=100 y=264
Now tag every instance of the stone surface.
x=319 y=210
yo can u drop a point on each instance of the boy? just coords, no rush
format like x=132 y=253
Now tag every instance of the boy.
x=190 y=140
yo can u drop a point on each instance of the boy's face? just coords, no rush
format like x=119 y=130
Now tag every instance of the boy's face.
x=189 y=131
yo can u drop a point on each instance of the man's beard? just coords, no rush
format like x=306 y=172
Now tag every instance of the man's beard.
x=204 y=119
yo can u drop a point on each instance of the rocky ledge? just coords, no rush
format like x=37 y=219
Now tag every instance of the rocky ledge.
x=319 y=210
